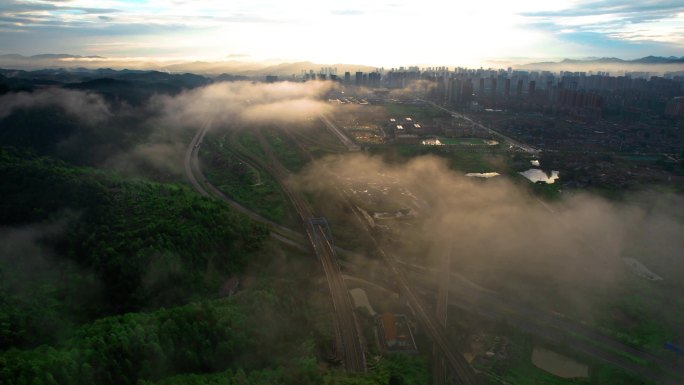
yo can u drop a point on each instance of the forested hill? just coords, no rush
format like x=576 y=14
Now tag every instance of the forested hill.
x=80 y=243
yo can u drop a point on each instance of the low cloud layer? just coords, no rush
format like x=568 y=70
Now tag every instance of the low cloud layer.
x=154 y=135
x=243 y=102
x=503 y=236
x=89 y=107
x=226 y=105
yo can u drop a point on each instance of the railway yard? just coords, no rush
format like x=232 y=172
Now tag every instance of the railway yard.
x=352 y=227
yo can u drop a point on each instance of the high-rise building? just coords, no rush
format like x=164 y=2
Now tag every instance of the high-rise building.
x=455 y=90
x=347 y=77
x=467 y=91
x=359 y=78
x=374 y=79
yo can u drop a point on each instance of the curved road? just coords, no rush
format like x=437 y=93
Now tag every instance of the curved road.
x=501 y=308
x=513 y=142
x=347 y=331
x=346 y=327
x=205 y=188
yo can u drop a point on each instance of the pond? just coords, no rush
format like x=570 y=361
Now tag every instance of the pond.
x=536 y=175
x=482 y=174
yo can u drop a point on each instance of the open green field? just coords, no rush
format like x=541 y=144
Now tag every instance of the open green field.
x=512 y=360
x=248 y=185
x=646 y=315
x=248 y=141
x=459 y=159
x=415 y=111
x=285 y=149
x=463 y=141
x=316 y=139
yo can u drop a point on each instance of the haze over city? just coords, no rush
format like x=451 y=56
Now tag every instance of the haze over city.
x=341 y=192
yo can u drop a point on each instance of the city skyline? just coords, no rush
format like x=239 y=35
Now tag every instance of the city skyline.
x=388 y=34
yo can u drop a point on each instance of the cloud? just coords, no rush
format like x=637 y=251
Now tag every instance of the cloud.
x=497 y=232
x=88 y=107
x=347 y=12
x=33 y=283
x=161 y=124
x=287 y=111
x=227 y=105
x=243 y=102
x=160 y=155
x=654 y=21
x=626 y=10
x=21 y=7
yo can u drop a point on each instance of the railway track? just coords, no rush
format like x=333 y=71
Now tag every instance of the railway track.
x=346 y=329
x=461 y=369
x=349 y=347
x=452 y=356
x=439 y=372
x=537 y=317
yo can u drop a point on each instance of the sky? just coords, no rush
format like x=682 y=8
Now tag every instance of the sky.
x=382 y=33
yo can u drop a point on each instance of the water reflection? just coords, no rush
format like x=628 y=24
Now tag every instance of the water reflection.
x=483 y=174
x=536 y=175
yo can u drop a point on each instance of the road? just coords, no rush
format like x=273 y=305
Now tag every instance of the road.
x=504 y=309
x=439 y=372
x=191 y=164
x=552 y=327
x=194 y=174
x=346 y=328
x=511 y=141
x=348 y=336
x=461 y=370
x=351 y=146
x=453 y=356
x=347 y=331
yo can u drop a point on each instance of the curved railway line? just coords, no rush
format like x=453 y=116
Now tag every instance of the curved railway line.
x=435 y=328
x=351 y=352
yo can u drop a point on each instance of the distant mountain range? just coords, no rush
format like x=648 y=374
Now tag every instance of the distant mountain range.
x=234 y=67
x=47 y=56
x=239 y=68
x=132 y=86
x=652 y=63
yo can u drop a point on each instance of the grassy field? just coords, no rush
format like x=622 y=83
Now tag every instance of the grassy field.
x=645 y=316
x=285 y=149
x=317 y=139
x=414 y=111
x=251 y=187
x=458 y=159
x=513 y=365
x=463 y=141
x=249 y=142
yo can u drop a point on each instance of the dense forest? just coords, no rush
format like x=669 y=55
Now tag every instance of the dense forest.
x=130 y=243
x=108 y=280
x=116 y=277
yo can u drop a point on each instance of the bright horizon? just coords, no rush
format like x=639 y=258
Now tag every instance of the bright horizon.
x=389 y=34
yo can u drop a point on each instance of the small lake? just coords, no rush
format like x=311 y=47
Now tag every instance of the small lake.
x=482 y=174
x=536 y=175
